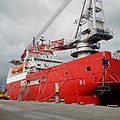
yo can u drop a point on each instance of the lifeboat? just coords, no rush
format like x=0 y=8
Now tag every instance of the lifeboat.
x=13 y=70
x=17 y=69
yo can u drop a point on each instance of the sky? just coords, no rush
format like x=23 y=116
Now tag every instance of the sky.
x=20 y=20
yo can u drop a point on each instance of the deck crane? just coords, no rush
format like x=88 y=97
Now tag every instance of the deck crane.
x=91 y=29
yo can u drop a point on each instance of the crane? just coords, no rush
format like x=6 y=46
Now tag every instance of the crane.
x=91 y=29
x=51 y=20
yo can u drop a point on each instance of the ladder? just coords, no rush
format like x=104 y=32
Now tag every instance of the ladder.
x=22 y=92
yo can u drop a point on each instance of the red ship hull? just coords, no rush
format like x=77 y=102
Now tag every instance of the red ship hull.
x=76 y=81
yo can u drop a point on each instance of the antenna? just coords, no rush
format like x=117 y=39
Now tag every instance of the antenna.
x=42 y=40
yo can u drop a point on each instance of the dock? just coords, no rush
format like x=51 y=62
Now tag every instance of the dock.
x=26 y=110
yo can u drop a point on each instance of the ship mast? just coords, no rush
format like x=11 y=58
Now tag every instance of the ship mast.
x=91 y=29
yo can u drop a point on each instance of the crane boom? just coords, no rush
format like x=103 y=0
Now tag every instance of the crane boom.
x=51 y=20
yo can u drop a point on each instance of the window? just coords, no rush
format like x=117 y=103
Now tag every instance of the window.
x=34 y=81
x=38 y=64
x=38 y=81
x=28 y=82
x=88 y=68
x=44 y=78
x=66 y=73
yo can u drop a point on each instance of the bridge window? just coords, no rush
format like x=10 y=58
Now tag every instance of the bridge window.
x=38 y=64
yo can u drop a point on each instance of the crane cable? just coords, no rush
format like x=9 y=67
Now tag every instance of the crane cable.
x=52 y=19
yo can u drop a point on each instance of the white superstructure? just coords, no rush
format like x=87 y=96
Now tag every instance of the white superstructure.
x=33 y=62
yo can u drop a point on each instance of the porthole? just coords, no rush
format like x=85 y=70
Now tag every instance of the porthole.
x=88 y=69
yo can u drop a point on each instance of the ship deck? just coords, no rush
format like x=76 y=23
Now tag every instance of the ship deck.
x=12 y=110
